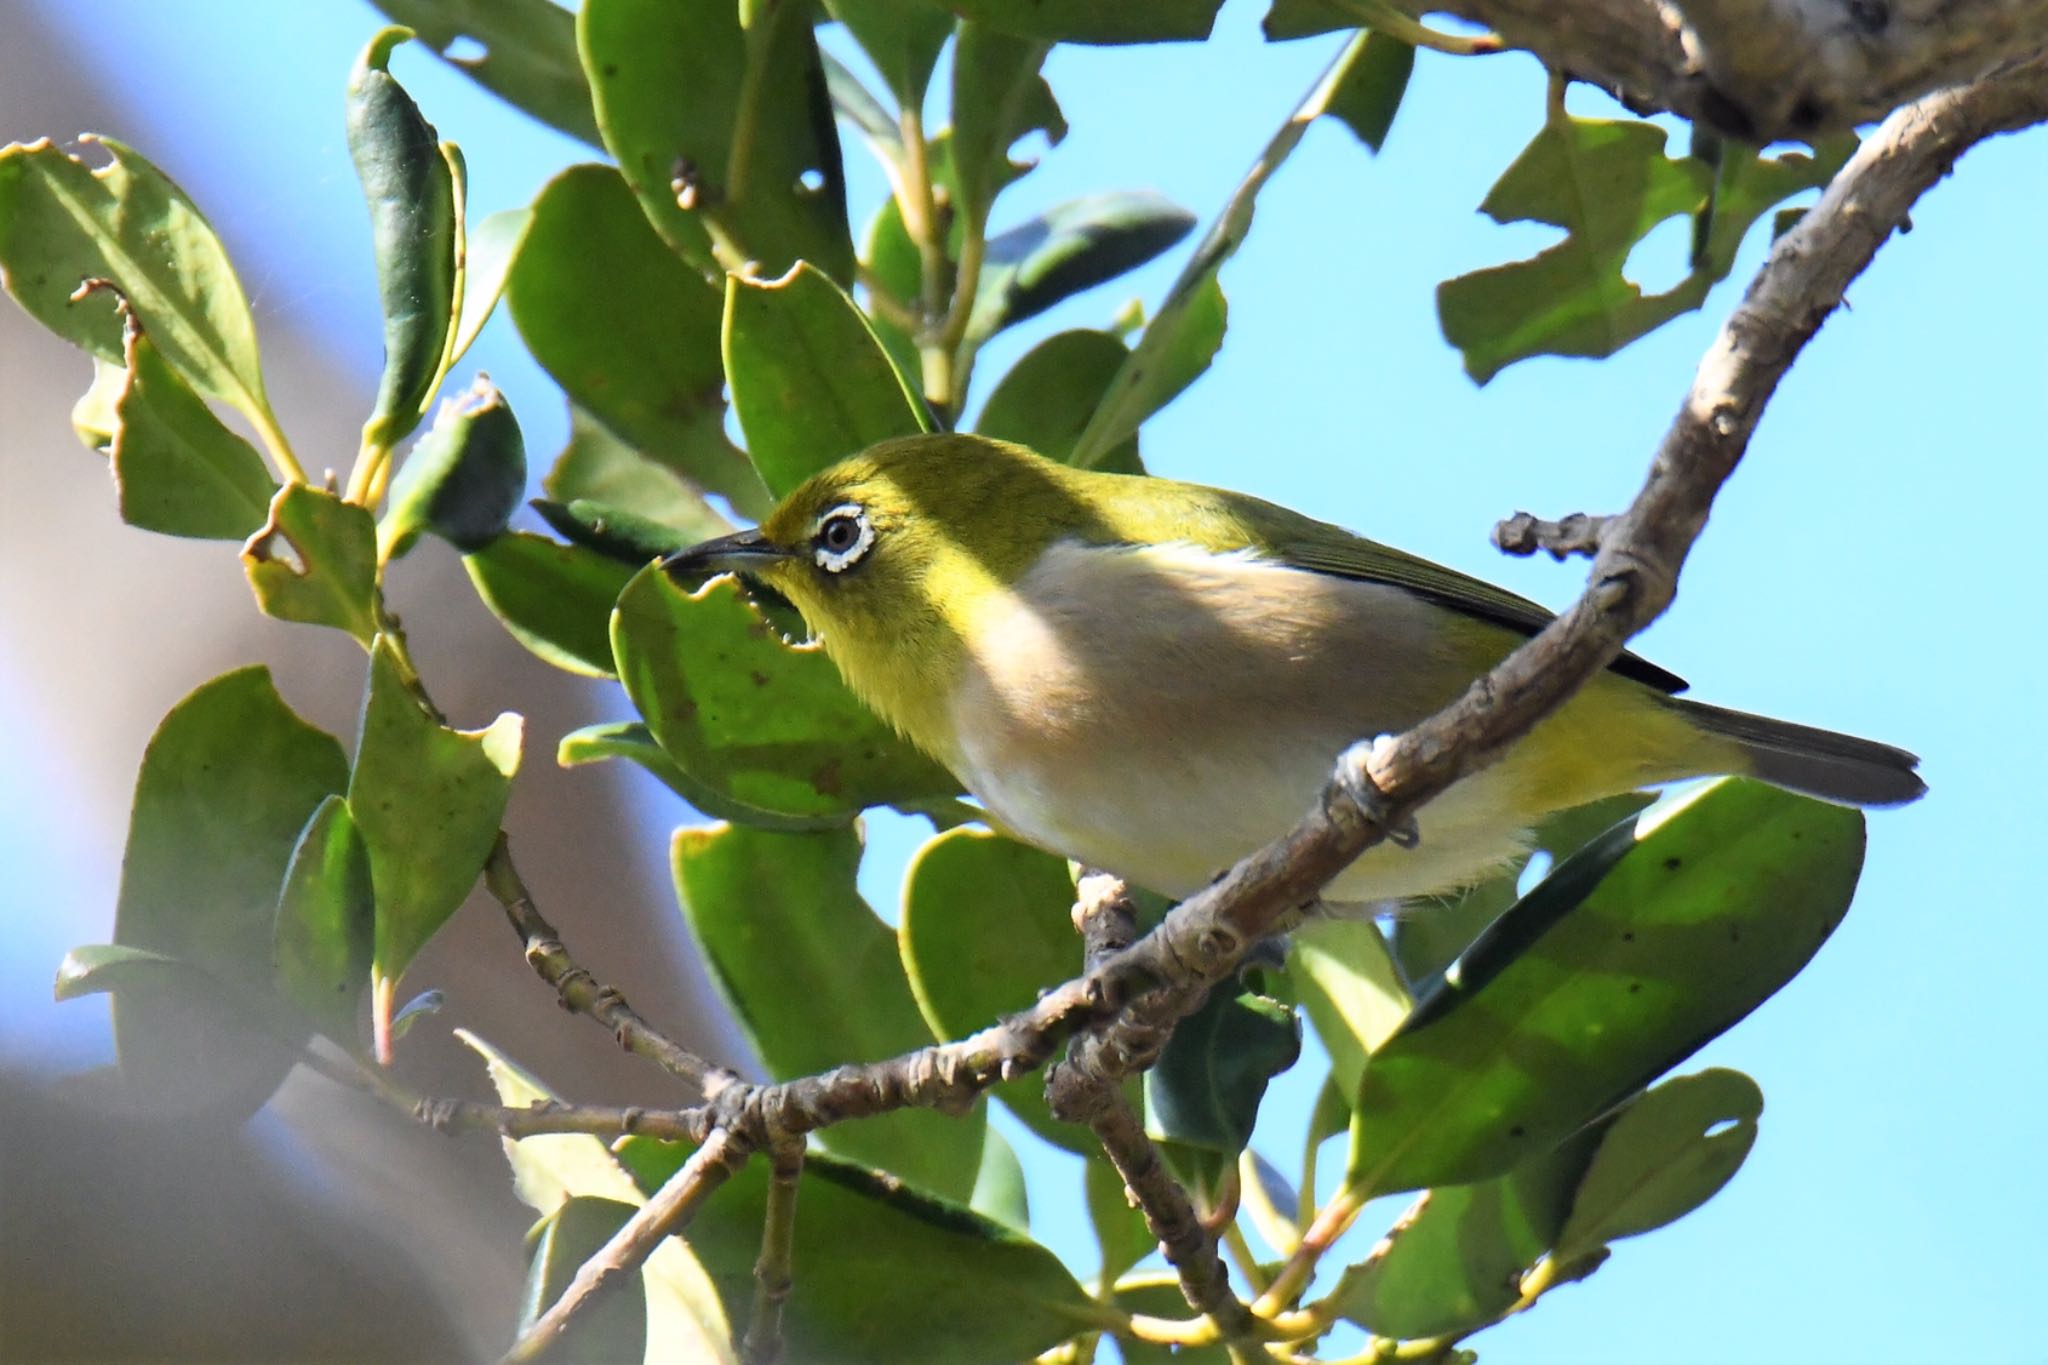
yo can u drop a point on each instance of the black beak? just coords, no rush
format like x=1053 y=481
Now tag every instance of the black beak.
x=746 y=552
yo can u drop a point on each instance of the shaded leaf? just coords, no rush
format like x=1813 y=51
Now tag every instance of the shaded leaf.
x=463 y=479
x=998 y=97
x=1368 y=97
x=622 y=537
x=314 y=561
x=987 y=926
x=410 y=188
x=1270 y=1202
x=229 y=780
x=1351 y=989
x=489 y=248
x=322 y=939
x=1665 y=1155
x=814 y=978
x=901 y=37
x=1288 y=19
x=428 y=801
x=598 y=468
x=766 y=723
x=810 y=381
x=855 y=1233
x=615 y=1326
x=629 y=332
x=62 y=225
x=1120 y=1229
x=1088 y=21
x=1206 y=1087
x=555 y=599
x=177 y=469
x=1047 y=397
x=634 y=742
x=1632 y=954
x=529 y=53
x=786 y=200
x=999 y=1190
x=1069 y=248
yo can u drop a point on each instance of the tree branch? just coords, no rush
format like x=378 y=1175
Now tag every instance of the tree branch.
x=1577 y=534
x=773 y=1272
x=1767 y=69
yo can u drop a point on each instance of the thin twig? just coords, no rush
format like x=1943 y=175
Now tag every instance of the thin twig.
x=1577 y=534
x=774 y=1274
x=580 y=991
x=668 y=1211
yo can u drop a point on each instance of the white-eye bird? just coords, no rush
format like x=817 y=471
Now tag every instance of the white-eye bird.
x=1155 y=678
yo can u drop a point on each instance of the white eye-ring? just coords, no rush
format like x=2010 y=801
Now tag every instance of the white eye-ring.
x=842 y=537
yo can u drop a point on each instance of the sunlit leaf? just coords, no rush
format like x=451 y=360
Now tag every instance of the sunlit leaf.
x=325 y=924
x=314 y=561
x=177 y=469
x=555 y=599
x=615 y=1327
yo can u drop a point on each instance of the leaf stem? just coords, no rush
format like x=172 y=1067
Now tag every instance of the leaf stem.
x=265 y=421
x=920 y=219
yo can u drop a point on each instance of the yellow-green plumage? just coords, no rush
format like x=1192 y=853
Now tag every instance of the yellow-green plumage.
x=1154 y=677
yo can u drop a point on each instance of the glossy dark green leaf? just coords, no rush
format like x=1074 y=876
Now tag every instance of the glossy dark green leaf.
x=1069 y=248
x=988 y=1295
x=555 y=599
x=1370 y=93
x=1206 y=1087
x=410 y=188
x=1428 y=935
x=810 y=381
x=999 y=1189
x=1632 y=954
x=1287 y=19
x=1454 y=1260
x=614 y=1329
x=528 y=59
x=326 y=920
x=1046 y=399
x=314 y=561
x=463 y=479
x=685 y=1322
x=814 y=978
x=1666 y=1154
x=1120 y=1229
x=628 y=331
x=1351 y=989
x=176 y=468
x=634 y=742
x=901 y=37
x=62 y=225
x=427 y=800
x=766 y=723
x=746 y=170
x=597 y=468
x=622 y=537
x=987 y=927
x=1089 y=21
x=998 y=97
x=229 y=780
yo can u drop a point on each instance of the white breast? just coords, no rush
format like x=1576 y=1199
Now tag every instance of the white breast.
x=1161 y=712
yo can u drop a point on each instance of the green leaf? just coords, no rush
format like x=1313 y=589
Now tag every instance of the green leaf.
x=763 y=722
x=597 y=468
x=1289 y=19
x=1747 y=184
x=634 y=742
x=722 y=174
x=628 y=331
x=810 y=381
x=684 y=1318
x=410 y=188
x=814 y=979
x=92 y=416
x=619 y=536
x=1270 y=1201
x=901 y=37
x=1120 y=1228
x=314 y=560
x=489 y=248
x=1047 y=397
x=1352 y=990
x=1159 y=1295
x=1368 y=97
x=1455 y=1260
x=529 y=57
x=1429 y=935
x=463 y=479
x=176 y=468
x=229 y=780
x=987 y=926
x=1206 y=1087
x=428 y=801
x=555 y=599
x=998 y=97
x=856 y=1233
x=999 y=1190
x=1070 y=248
x=615 y=1327
x=326 y=921
x=1665 y=1155
x=1090 y=21
x=62 y=225
x=1632 y=954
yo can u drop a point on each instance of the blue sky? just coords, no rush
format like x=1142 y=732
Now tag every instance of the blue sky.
x=1866 y=570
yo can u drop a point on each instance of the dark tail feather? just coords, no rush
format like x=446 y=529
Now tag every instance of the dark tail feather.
x=1857 y=772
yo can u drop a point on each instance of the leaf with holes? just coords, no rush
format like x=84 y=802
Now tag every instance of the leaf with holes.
x=314 y=561
x=998 y=97
x=528 y=55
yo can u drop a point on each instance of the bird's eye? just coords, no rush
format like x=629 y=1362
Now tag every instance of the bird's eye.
x=843 y=536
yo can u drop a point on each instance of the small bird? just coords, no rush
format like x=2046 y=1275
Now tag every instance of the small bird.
x=1155 y=678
